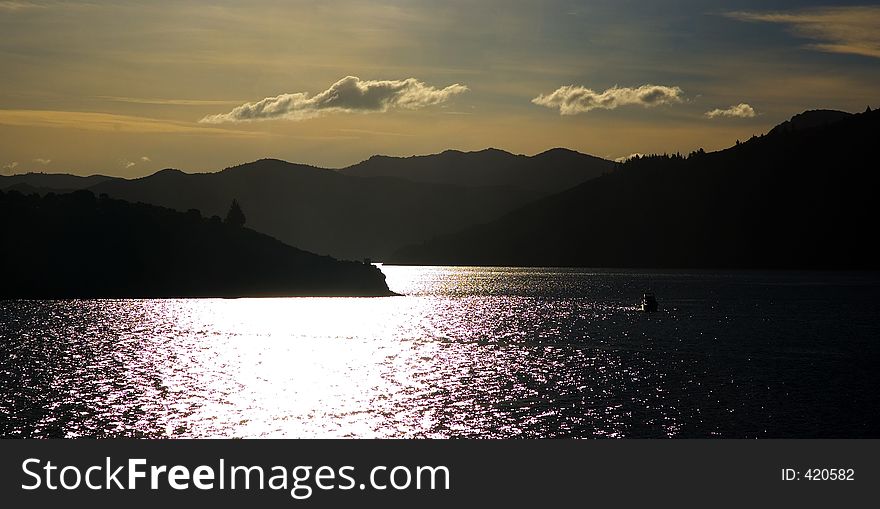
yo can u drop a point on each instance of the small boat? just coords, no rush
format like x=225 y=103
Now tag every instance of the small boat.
x=649 y=302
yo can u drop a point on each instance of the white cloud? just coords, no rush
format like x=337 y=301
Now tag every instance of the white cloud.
x=42 y=161
x=145 y=159
x=741 y=110
x=350 y=94
x=572 y=99
x=837 y=29
x=627 y=158
x=10 y=166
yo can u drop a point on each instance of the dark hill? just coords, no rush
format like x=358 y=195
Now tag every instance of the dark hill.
x=795 y=198
x=45 y=182
x=325 y=211
x=810 y=119
x=549 y=172
x=78 y=246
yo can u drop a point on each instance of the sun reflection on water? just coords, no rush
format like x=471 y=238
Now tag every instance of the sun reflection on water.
x=468 y=352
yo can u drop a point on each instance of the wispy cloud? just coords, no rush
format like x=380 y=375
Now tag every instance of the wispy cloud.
x=169 y=102
x=40 y=160
x=851 y=30
x=125 y=163
x=571 y=99
x=350 y=94
x=10 y=166
x=106 y=122
x=741 y=110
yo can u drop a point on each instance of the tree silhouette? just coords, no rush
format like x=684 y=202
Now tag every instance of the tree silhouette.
x=235 y=216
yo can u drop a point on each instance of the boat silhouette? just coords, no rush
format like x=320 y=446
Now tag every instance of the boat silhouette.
x=649 y=302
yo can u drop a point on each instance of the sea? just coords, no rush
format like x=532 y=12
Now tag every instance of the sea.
x=464 y=352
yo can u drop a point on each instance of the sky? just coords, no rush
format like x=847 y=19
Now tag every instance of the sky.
x=128 y=88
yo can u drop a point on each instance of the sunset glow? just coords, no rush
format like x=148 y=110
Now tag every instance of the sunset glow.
x=128 y=88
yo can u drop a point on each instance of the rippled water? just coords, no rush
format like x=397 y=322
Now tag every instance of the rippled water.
x=468 y=352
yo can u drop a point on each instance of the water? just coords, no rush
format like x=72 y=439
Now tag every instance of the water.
x=468 y=352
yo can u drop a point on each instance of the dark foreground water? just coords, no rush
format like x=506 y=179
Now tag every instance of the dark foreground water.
x=468 y=352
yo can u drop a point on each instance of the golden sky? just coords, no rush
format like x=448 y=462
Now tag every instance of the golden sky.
x=128 y=88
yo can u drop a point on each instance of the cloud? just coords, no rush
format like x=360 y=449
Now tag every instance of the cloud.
x=627 y=158
x=166 y=102
x=125 y=163
x=10 y=166
x=40 y=160
x=837 y=29
x=572 y=100
x=741 y=110
x=350 y=94
x=106 y=122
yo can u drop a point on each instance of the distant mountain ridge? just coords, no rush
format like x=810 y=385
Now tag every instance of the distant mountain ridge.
x=57 y=182
x=321 y=210
x=802 y=196
x=547 y=172
x=367 y=210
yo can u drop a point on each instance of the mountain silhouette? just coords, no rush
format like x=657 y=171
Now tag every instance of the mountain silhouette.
x=548 y=172
x=810 y=119
x=802 y=196
x=50 y=182
x=367 y=210
x=78 y=246
x=325 y=211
